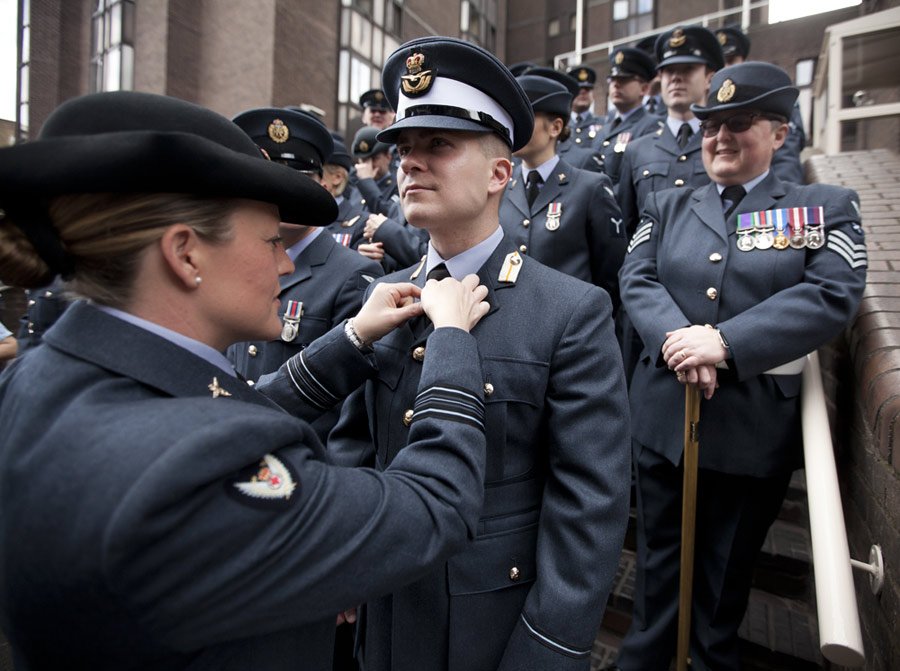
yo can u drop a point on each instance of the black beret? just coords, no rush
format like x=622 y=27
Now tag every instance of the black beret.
x=297 y=138
x=340 y=156
x=752 y=85
x=546 y=95
x=631 y=62
x=443 y=82
x=689 y=44
x=560 y=77
x=366 y=144
x=129 y=142
x=733 y=41
x=584 y=76
x=375 y=99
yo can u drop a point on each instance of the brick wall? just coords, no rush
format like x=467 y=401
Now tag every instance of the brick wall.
x=863 y=381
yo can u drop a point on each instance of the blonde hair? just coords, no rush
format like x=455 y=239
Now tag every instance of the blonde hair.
x=105 y=235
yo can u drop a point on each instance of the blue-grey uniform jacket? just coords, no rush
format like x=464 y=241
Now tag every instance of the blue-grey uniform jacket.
x=587 y=239
x=582 y=156
x=655 y=162
x=611 y=142
x=351 y=221
x=379 y=194
x=330 y=281
x=44 y=307
x=158 y=513
x=584 y=132
x=772 y=306
x=530 y=591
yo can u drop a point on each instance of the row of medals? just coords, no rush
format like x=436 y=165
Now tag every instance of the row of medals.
x=749 y=240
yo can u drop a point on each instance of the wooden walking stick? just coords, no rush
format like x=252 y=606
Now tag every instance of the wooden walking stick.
x=688 y=521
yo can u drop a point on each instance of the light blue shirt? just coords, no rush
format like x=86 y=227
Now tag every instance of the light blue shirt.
x=467 y=262
x=748 y=186
x=196 y=347
x=297 y=248
x=545 y=169
x=675 y=124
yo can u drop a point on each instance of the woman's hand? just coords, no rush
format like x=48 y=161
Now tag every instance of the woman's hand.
x=388 y=306
x=372 y=250
x=703 y=376
x=451 y=303
x=691 y=347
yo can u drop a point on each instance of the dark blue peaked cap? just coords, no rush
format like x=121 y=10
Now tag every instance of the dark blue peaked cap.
x=632 y=62
x=733 y=41
x=340 y=156
x=443 y=82
x=569 y=82
x=546 y=95
x=751 y=85
x=585 y=76
x=297 y=138
x=689 y=44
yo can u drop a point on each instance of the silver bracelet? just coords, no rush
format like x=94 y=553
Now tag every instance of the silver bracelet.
x=353 y=336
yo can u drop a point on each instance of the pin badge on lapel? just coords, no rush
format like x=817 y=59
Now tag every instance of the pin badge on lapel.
x=217 y=389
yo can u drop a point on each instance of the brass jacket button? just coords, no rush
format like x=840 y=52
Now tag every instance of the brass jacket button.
x=715 y=257
x=712 y=294
x=252 y=350
x=679 y=182
x=488 y=389
x=515 y=574
x=418 y=353
x=523 y=248
x=407 y=417
x=526 y=223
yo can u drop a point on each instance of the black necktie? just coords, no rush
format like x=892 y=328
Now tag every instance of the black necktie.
x=735 y=194
x=616 y=123
x=651 y=104
x=533 y=186
x=419 y=324
x=684 y=134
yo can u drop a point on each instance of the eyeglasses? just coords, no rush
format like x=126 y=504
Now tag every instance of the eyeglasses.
x=738 y=123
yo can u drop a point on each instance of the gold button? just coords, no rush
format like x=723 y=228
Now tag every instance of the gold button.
x=526 y=223
x=48 y=294
x=679 y=182
x=577 y=130
x=30 y=331
x=250 y=383
x=712 y=294
x=645 y=173
x=488 y=389
x=682 y=158
x=606 y=143
x=407 y=417
x=30 y=326
x=418 y=353
x=32 y=302
x=715 y=257
x=515 y=574
x=578 y=140
x=523 y=248
x=252 y=350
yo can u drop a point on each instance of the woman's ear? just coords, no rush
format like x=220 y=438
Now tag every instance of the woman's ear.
x=181 y=252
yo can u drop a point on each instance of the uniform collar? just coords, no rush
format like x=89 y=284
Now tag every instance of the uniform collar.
x=297 y=248
x=675 y=124
x=202 y=350
x=748 y=187
x=545 y=169
x=467 y=262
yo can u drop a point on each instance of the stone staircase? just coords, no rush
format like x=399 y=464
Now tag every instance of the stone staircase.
x=780 y=630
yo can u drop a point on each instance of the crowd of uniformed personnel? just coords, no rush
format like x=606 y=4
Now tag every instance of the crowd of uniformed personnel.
x=682 y=201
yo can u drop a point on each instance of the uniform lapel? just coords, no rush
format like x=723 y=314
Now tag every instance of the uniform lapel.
x=515 y=191
x=708 y=207
x=315 y=255
x=764 y=196
x=552 y=188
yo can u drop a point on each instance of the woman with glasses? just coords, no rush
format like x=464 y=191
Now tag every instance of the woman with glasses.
x=156 y=512
x=729 y=286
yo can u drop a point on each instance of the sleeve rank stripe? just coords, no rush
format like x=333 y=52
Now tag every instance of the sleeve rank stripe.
x=450 y=393
x=437 y=413
x=855 y=255
x=551 y=643
x=307 y=384
x=646 y=226
x=637 y=241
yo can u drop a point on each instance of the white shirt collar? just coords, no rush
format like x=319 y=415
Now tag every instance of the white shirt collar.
x=467 y=262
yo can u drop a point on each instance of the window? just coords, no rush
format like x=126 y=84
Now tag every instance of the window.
x=631 y=17
x=553 y=28
x=370 y=31
x=112 y=45
x=23 y=107
x=478 y=22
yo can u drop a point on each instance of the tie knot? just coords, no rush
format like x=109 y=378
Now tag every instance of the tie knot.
x=439 y=272
x=734 y=193
x=684 y=134
x=533 y=178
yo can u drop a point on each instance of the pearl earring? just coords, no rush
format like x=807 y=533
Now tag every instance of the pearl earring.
x=198 y=280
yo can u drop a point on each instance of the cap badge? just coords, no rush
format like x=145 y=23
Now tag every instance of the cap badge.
x=582 y=75
x=619 y=58
x=677 y=38
x=278 y=131
x=726 y=91
x=417 y=81
x=379 y=96
x=723 y=38
x=363 y=146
